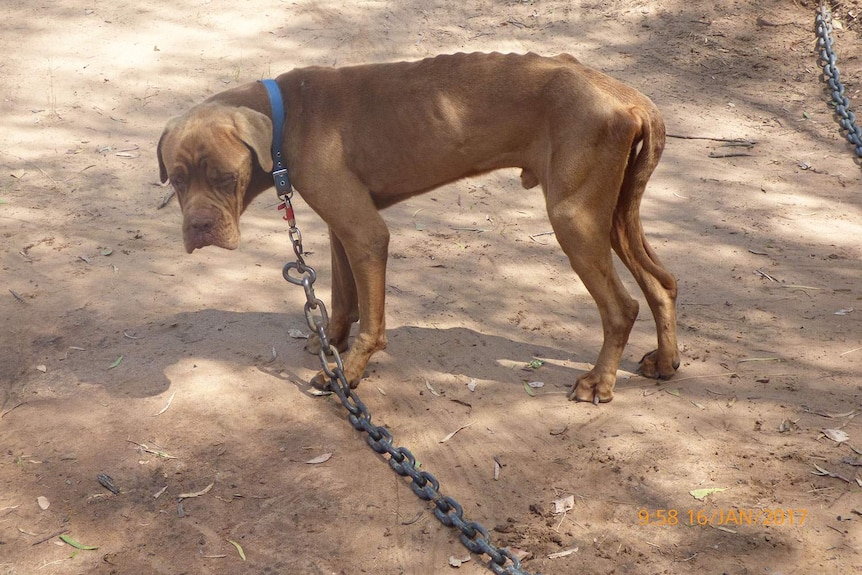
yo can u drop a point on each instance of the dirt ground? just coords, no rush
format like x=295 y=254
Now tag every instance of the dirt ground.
x=174 y=374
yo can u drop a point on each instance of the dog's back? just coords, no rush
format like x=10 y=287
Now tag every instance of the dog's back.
x=416 y=125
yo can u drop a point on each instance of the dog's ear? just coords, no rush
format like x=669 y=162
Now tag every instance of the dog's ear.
x=255 y=130
x=163 y=170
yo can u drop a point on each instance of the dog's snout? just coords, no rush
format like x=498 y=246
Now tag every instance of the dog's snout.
x=207 y=226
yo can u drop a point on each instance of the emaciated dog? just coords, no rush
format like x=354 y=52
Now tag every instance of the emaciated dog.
x=361 y=138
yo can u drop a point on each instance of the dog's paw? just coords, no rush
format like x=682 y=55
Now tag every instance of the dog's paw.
x=653 y=366
x=323 y=382
x=313 y=344
x=593 y=388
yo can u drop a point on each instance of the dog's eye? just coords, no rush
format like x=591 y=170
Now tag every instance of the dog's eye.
x=226 y=183
x=178 y=181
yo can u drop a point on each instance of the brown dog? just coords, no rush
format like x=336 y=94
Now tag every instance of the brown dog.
x=361 y=138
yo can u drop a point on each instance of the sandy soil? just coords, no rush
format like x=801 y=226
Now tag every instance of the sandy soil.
x=120 y=355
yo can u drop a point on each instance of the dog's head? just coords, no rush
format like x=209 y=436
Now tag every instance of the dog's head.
x=209 y=154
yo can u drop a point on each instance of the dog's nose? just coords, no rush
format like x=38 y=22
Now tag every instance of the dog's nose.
x=201 y=225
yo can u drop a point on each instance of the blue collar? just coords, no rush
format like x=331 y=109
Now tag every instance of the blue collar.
x=279 y=167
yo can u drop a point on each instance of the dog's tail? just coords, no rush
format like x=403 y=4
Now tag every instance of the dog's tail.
x=628 y=236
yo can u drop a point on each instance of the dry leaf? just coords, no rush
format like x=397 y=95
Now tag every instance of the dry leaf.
x=700 y=494
x=564 y=553
x=451 y=435
x=238 y=549
x=77 y=545
x=431 y=389
x=786 y=425
x=836 y=435
x=203 y=491
x=319 y=459
x=273 y=355
x=167 y=405
x=458 y=561
x=564 y=504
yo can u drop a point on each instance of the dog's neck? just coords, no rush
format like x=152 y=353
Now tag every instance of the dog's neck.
x=252 y=95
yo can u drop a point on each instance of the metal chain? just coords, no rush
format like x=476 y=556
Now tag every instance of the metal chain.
x=448 y=511
x=828 y=59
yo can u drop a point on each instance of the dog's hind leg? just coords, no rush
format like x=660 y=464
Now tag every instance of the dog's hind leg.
x=580 y=209
x=630 y=244
x=345 y=305
x=659 y=288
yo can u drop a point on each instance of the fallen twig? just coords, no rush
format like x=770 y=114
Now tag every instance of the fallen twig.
x=829 y=415
x=765 y=275
x=44 y=173
x=166 y=199
x=729 y=373
x=153 y=451
x=5 y=413
x=534 y=236
x=738 y=141
x=727 y=154
x=826 y=473
x=415 y=518
x=49 y=537
x=79 y=172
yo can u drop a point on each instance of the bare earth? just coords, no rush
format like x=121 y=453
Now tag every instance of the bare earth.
x=121 y=355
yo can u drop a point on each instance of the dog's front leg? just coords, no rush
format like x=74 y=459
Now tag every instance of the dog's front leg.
x=344 y=311
x=360 y=248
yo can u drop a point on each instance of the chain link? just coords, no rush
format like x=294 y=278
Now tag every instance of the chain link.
x=828 y=59
x=448 y=511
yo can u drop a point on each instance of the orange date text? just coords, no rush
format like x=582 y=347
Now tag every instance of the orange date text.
x=732 y=517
